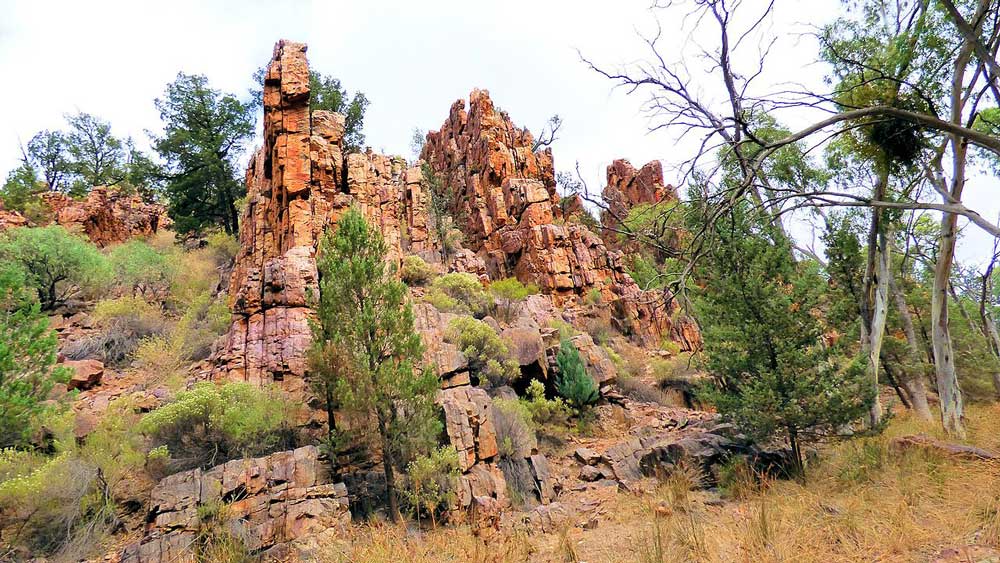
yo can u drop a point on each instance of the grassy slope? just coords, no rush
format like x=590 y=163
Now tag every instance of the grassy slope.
x=860 y=503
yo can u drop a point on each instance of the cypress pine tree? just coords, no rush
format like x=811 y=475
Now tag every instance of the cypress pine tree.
x=365 y=348
x=573 y=383
x=775 y=377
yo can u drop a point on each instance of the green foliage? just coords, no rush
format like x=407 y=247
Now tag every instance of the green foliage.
x=27 y=358
x=326 y=93
x=565 y=329
x=645 y=272
x=488 y=355
x=417 y=140
x=659 y=225
x=365 y=348
x=415 y=271
x=47 y=152
x=763 y=341
x=545 y=411
x=211 y=424
x=432 y=482
x=20 y=189
x=223 y=245
x=96 y=157
x=65 y=505
x=509 y=292
x=464 y=292
x=216 y=541
x=139 y=268
x=572 y=382
x=57 y=263
x=204 y=133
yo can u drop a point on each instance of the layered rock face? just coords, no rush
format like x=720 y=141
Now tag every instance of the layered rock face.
x=506 y=200
x=298 y=183
x=270 y=501
x=106 y=216
x=628 y=187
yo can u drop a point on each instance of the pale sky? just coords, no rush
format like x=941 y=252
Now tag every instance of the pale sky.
x=111 y=58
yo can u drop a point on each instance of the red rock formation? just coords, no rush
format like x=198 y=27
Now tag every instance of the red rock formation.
x=506 y=196
x=107 y=215
x=9 y=219
x=271 y=501
x=628 y=187
x=299 y=183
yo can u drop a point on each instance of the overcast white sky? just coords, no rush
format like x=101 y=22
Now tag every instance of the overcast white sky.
x=412 y=59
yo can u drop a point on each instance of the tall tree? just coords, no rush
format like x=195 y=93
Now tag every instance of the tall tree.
x=204 y=132
x=326 y=93
x=47 y=151
x=96 y=155
x=775 y=375
x=365 y=347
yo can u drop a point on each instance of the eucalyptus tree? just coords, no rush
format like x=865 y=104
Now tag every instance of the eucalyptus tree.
x=894 y=67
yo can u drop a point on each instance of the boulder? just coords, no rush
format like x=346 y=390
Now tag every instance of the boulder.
x=272 y=500
x=86 y=373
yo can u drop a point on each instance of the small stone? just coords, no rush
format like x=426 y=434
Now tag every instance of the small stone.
x=590 y=473
x=587 y=456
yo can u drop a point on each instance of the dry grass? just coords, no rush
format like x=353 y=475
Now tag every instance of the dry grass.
x=377 y=543
x=861 y=502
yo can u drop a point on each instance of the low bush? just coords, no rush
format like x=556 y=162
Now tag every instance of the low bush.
x=64 y=505
x=464 y=294
x=57 y=264
x=564 y=329
x=572 y=382
x=415 y=271
x=515 y=440
x=638 y=390
x=123 y=323
x=212 y=424
x=509 y=293
x=545 y=411
x=216 y=541
x=487 y=353
x=139 y=268
x=593 y=298
x=197 y=273
x=223 y=246
x=432 y=482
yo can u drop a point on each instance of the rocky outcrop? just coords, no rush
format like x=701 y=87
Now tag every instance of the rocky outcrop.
x=269 y=502
x=504 y=198
x=298 y=183
x=9 y=219
x=468 y=414
x=628 y=187
x=107 y=215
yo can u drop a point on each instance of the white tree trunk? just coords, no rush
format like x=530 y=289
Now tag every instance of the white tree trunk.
x=913 y=383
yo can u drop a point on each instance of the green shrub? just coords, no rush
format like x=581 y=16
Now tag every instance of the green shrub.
x=197 y=273
x=515 y=440
x=64 y=505
x=123 y=323
x=572 y=382
x=140 y=268
x=487 y=353
x=212 y=424
x=466 y=294
x=57 y=263
x=27 y=359
x=216 y=541
x=509 y=293
x=565 y=329
x=593 y=298
x=21 y=188
x=432 y=482
x=223 y=246
x=545 y=411
x=415 y=271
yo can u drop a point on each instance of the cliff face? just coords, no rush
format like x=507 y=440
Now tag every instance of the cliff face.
x=298 y=183
x=504 y=198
